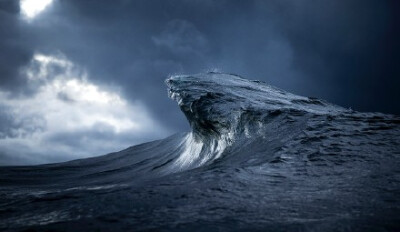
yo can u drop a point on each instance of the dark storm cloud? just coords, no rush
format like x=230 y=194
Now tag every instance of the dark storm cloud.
x=346 y=52
x=14 y=50
x=343 y=51
x=349 y=49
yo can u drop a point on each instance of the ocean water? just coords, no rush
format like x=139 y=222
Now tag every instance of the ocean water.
x=257 y=159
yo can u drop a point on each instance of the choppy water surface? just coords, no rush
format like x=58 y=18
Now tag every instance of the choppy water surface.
x=257 y=158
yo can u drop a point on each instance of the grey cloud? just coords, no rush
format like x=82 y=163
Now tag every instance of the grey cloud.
x=63 y=96
x=13 y=125
x=99 y=133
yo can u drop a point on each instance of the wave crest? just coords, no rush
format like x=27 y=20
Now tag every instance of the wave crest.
x=222 y=108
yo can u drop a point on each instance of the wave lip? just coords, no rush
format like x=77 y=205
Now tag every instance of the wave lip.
x=217 y=104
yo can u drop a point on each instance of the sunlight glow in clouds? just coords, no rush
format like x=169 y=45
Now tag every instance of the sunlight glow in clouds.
x=69 y=117
x=31 y=8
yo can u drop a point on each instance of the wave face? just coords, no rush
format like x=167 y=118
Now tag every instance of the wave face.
x=257 y=158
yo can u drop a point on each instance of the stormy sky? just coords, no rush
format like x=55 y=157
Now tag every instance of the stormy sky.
x=81 y=78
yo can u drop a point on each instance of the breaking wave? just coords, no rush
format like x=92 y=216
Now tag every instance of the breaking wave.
x=256 y=157
x=223 y=109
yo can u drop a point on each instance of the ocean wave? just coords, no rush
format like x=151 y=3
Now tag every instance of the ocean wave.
x=256 y=157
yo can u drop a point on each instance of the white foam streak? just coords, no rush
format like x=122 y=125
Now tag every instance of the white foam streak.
x=196 y=153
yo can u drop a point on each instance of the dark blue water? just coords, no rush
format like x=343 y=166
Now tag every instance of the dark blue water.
x=257 y=159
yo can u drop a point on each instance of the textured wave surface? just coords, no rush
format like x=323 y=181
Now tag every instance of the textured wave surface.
x=257 y=158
